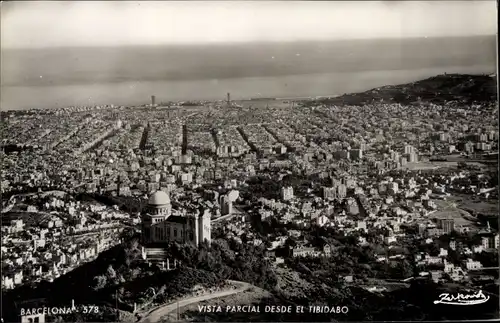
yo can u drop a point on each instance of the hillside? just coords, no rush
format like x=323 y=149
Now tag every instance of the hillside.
x=440 y=89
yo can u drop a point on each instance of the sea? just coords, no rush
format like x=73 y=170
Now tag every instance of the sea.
x=130 y=75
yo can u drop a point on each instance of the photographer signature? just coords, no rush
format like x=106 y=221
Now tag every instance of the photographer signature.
x=462 y=299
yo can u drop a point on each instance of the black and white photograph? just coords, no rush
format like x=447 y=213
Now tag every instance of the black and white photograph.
x=249 y=161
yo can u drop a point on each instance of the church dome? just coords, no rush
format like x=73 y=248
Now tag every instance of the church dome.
x=159 y=198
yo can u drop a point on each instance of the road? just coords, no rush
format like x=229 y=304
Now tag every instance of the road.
x=156 y=314
x=228 y=216
x=224 y=217
x=485 y=268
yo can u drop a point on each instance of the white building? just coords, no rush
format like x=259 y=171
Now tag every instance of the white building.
x=287 y=193
x=322 y=220
x=473 y=265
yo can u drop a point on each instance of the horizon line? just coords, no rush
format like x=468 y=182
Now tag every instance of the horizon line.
x=298 y=99
x=222 y=43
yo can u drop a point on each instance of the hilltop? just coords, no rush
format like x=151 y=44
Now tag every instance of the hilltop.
x=439 y=89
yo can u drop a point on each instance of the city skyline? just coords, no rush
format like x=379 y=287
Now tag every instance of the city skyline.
x=249 y=161
x=101 y=23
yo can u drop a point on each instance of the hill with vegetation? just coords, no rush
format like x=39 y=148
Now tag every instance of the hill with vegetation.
x=118 y=278
x=441 y=89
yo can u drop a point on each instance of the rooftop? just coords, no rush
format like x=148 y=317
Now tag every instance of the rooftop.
x=159 y=198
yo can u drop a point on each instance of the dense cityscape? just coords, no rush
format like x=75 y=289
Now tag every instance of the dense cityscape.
x=307 y=202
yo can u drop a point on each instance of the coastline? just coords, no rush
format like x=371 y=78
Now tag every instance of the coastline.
x=290 y=87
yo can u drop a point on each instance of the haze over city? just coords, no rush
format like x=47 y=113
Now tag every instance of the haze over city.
x=290 y=161
x=99 y=23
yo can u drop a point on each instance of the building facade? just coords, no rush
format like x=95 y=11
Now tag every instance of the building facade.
x=160 y=226
x=287 y=193
x=447 y=225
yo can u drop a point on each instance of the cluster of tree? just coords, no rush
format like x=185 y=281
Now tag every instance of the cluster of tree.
x=261 y=186
x=351 y=260
x=228 y=260
x=487 y=259
x=162 y=286
x=327 y=286
x=87 y=284
x=157 y=286
x=126 y=204
x=441 y=89
x=119 y=277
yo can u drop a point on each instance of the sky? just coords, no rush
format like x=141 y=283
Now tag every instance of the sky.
x=42 y=24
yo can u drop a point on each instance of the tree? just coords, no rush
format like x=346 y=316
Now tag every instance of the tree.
x=290 y=242
x=455 y=257
x=433 y=249
x=406 y=269
x=110 y=273
x=487 y=259
x=100 y=282
x=121 y=279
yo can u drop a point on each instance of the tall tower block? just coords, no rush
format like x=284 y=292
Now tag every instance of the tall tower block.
x=228 y=98
x=204 y=227
x=153 y=100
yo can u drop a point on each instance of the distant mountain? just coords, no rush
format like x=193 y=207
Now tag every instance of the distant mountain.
x=440 y=89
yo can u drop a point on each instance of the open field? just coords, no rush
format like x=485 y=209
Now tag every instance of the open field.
x=460 y=216
x=474 y=204
x=429 y=165
x=481 y=207
x=426 y=165
x=449 y=209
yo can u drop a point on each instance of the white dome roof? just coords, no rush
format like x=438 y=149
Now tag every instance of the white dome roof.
x=159 y=198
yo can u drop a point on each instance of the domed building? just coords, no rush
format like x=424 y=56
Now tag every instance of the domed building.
x=159 y=204
x=160 y=226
